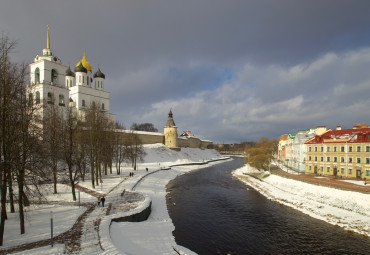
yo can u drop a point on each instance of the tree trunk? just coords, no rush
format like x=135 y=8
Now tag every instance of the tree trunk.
x=55 y=176
x=92 y=172
x=3 y=205
x=11 y=194
x=21 y=202
x=73 y=190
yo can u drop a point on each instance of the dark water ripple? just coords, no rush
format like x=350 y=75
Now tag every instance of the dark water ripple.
x=217 y=214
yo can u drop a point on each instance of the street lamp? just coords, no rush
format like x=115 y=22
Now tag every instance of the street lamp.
x=51 y=228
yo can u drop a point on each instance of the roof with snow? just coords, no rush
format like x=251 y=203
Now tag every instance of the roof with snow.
x=361 y=135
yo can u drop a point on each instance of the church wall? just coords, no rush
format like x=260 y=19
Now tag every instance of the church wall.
x=79 y=93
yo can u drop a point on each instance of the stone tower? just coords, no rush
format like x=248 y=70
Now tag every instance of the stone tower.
x=170 y=132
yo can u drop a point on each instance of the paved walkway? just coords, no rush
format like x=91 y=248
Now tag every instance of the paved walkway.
x=328 y=181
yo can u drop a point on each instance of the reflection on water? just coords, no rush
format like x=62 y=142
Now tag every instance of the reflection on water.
x=215 y=213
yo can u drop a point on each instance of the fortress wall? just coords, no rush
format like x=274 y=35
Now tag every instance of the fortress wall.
x=152 y=138
x=145 y=137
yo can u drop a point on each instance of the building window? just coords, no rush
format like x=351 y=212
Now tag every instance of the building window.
x=335 y=149
x=358 y=148
x=37 y=75
x=315 y=158
x=61 y=100
x=367 y=148
x=350 y=171
x=322 y=148
x=83 y=103
x=342 y=159
x=37 y=97
x=310 y=148
x=350 y=160
x=328 y=149
x=360 y=137
x=54 y=76
x=322 y=159
x=309 y=168
x=87 y=80
x=367 y=160
x=367 y=172
x=342 y=170
x=328 y=169
x=83 y=79
x=315 y=148
x=50 y=98
x=342 y=149
x=309 y=158
x=102 y=106
x=79 y=78
x=335 y=159
x=30 y=99
x=359 y=160
x=350 y=149
x=328 y=159
x=322 y=169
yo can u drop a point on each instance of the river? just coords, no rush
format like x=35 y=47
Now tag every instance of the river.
x=215 y=213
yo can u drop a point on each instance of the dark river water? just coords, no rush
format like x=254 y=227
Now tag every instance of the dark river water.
x=215 y=213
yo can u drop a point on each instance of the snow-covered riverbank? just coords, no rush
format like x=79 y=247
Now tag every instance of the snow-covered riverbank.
x=347 y=209
x=152 y=236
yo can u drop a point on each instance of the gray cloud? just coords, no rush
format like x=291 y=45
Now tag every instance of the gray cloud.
x=231 y=70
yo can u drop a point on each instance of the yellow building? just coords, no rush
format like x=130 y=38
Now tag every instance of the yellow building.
x=170 y=132
x=342 y=153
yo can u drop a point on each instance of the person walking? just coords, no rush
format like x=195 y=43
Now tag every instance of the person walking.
x=102 y=201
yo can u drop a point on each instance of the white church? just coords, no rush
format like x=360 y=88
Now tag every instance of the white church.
x=53 y=83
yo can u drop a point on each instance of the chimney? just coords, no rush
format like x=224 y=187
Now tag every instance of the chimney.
x=320 y=130
x=339 y=127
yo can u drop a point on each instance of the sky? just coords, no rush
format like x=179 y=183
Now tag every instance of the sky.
x=231 y=71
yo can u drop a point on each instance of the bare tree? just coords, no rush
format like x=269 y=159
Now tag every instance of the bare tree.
x=135 y=150
x=70 y=147
x=149 y=127
x=119 y=147
x=18 y=132
x=52 y=123
x=97 y=125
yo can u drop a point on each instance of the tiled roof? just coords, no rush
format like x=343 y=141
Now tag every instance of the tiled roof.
x=361 y=135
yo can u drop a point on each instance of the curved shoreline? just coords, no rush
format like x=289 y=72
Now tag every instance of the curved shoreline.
x=346 y=209
x=108 y=244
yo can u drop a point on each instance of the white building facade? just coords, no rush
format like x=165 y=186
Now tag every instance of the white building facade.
x=53 y=83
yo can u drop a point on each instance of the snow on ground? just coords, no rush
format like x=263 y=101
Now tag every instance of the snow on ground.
x=361 y=183
x=158 y=228
x=347 y=209
x=37 y=223
x=64 y=193
x=153 y=236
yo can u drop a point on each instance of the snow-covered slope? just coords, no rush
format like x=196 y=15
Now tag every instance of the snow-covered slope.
x=347 y=209
x=160 y=153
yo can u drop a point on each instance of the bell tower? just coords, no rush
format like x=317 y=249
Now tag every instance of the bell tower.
x=47 y=79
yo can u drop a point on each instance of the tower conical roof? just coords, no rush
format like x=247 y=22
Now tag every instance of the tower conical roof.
x=170 y=121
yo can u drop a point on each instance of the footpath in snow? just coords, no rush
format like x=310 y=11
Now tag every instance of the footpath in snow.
x=347 y=209
x=125 y=196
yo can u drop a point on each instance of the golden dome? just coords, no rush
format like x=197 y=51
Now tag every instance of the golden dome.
x=85 y=63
